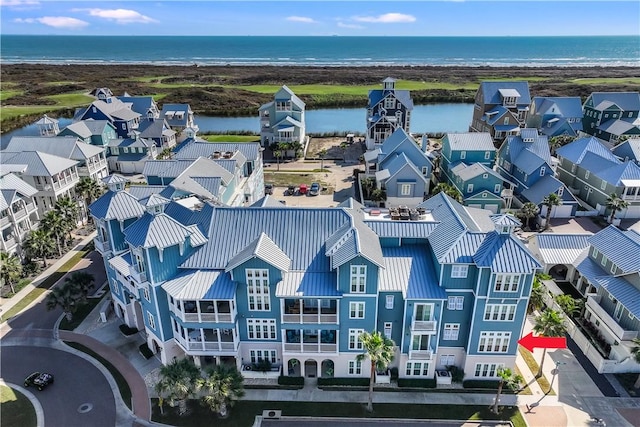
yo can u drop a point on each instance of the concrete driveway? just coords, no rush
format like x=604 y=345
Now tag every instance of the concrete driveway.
x=574 y=225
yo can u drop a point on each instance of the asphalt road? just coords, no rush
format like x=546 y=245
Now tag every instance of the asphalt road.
x=77 y=383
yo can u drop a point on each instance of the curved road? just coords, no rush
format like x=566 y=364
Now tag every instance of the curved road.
x=77 y=382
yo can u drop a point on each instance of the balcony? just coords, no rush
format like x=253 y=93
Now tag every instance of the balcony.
x=9 y=243
x=138 y=276
x=4 y=221
x=301 y=311
x=19 y=214
x=210 y=340
x=420 y=354
x=424 y=326
x=102 y=246
x=214 y=311
x=308 y=341
x=607 y=321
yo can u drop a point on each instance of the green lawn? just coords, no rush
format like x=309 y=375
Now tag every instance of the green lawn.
x=71 y=99
x=232 y=138
x=7 y=93
x=611 y=80
x=244 y=412
x=15 y=409
x=534 y=367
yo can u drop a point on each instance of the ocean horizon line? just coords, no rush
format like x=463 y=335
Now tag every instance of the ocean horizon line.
x=326 y=35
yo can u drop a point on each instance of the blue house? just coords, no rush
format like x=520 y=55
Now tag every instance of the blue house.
x=480 y=186
x=129 y=155
x=628 y=150
x=389 y=109
x=555 y=116
x=108 y=107
x=146 y=106
x=525 y=160
x=401 y=168
x=297 y=286
x=180 y=118
x=283 y=119
x=94 y=132
x=159 y=132
x=611 y=115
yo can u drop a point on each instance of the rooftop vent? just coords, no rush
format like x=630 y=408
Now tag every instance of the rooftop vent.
x=216 y=154
x=227 y=154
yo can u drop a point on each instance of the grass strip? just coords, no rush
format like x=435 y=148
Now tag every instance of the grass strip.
x=123 y=386
x=16 y=409
x=81 y=313
x=525 y=390
x=232 y=138
x=24 y=302
x=534 y=367
x=244 y=412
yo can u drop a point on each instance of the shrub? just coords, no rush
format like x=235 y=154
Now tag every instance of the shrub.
x=488 y=384
x=457 y=374
x=354 y=382
x=394 y=374
x=263 y=365
x=417 y=382
x=284 y=380
x=127 y=330
x=145 y=351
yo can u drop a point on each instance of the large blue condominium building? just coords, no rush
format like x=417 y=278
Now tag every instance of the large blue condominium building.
x=297 y=286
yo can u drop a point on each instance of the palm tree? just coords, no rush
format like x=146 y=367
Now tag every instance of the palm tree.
x=54 y=224
x=509 y=379
x=380 y=351
x=616 y=204
x=277 y=154
x=178 y=382
x=558 y=141
x=81 y=282
x=322 y=154
x=222 y=386
x=39 y=244
x=635 y=352
x=89 y=190
x=10 y=269
x=529 y=210
x=65 y=297
x=549 y=324
x=550 y=201
x=449 y=190
x=343 y=147
x=536 y=299
x=68 y=209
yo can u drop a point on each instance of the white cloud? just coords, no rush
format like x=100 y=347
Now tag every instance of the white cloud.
x=121 y=16
x=19 y=3
x=304 y=19
x=55 y=22
x=350 y=26
x=387 y=18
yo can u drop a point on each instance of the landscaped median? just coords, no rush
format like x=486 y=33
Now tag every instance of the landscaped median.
x=534 y=367
x=15 y=408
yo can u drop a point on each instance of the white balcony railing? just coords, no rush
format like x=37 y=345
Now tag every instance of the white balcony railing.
x=138 y=276
x=213 y=346
x=101 y=245
x=4 y=221
x=310 y=318
x=424 y=325
x=420 y=354
x=608 y=321
x=9 y=243
x=309 y=348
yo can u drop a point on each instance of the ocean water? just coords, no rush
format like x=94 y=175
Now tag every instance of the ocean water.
x=324 y=51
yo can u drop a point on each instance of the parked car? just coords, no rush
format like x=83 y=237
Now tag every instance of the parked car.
x=303 y=189
x=268 y=189
x=39 y=379
x=314 y=190
x=291 y=190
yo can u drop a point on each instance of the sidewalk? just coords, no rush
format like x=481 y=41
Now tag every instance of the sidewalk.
x=8 y=303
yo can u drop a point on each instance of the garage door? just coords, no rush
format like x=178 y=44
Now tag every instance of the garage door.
x=563 y=211
x=630 y=212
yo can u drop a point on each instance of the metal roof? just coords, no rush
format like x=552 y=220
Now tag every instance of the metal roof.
x=262 y=248
x=491 y=91
x=463 y=249
x=470 y=141
x=408 y=269
x=629 y=148
x=627 y=101
x=542 y=188
x=561 y=248
x=165 y=168
x=38 y=163
x=307 y=284
x=618 y=247
x=614 y=175
x=118 y=205
x=467 y=172
x=624 y=291
x=527 y=156
x=195 y=149
x=505 y=219
x=201 y=285
x=144 y=191
x=160 y=231
x=589 y=268
x=406 y=229
x=505 y=254
x=13 y=182
x=565 y=106
x=267 y=202
x=63 y=146
x=121 y=263
x=578 y=149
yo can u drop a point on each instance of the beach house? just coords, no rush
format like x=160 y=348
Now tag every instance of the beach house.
x=180 y=118
x=628 y=150
x=18 y=211
x=110 y=108
x=388 y=109
x=283 y=119
x=611 y=115
x=555 y=116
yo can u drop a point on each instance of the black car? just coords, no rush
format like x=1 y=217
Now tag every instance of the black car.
x=39 y=379
x=268 y=189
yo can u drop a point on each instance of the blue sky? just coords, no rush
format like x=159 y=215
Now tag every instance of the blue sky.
x=302 y=17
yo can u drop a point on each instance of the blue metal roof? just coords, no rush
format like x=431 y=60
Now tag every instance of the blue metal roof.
x=627 y=101
x=504 y=254
x=542 y=188
x=576 y=150
x=165 y=168
x=618 y=247
x=591 y=270
x=409 y=269
x=118 y=205
x=178 y=212
x=561 y=248
x=623 y=291
x=408 y=229
x=628 y=149
x=195 y=149
x=565 y=106
x=161 y=231
x=615 y=174
x=308 y=284
x=523 y=154
x=210 y=183
x=265 y=249
x=491 y=91
x=144 y=191
x=463 y=249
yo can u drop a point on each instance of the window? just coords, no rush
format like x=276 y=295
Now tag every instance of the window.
x=388 y=328
x=603 y=261
x=261 y=329
x=485 y=175
x=358 y=278
x=139 y=263
x=613 y=268
x=405 y=189
x=389 y=102
x=459 y=271
x=356 y=310
x=463 y=154
x=258 y=289
x=258 y=355
x=425 y=170
x=487 y=369
x=586 y=174
x=507 y=282
x=152 y=320
x=124 y=126
x=455 y=303
x=354 y=339
x=494 y=342
x=355 y=367
x=389 y=302
x=543 y=170
x=560 y=191
x=573 y=168
x=618 y=311
x=595 y=253
x=450 y=332
x=417 y=369
x=497 y=188
x=448 y=359
x=145 y=293
x=603 y=185
x=487 y=155
x=500 y=312
x=469 y=188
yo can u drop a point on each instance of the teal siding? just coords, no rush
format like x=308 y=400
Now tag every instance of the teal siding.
x=344 y=276
x=393 y=315
x=389 y=242
x=168 y=267
x=367 y=324
x=514 y=326
x=119 y=244
x=462 y=317
x=449 y=282
x=408 y=320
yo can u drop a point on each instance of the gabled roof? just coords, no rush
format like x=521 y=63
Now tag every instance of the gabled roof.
x=470 y=141
x=589 y=268
x=623 y=291
x=114 y=178
x=564 y=106
x=201 y=284
x=38 y=163
x=12 y=182
x=144 y=191
x=161 y=231
x=137 y=141
x=463 y=249
x=543 y=187
x=118 y=205
x=359 y=240
x=527 y=156
x=627 y=101
x=139 y=104
x=155 y=129
x=165 y=168
x=307 y=284
x=408 y=269
x=62 y=146
x=616 y=174
x=617 y=246
x=561 y=248
x=629 y=148
x=170 y=113
x=619 y=127
x=491 y=91
x=268 y=202
x=285 y=93
x=262 y=248
x=505 y=254
x=377 y=95
x=505 y=219
x=94 y=127
x=400 y=162
x=467 y=172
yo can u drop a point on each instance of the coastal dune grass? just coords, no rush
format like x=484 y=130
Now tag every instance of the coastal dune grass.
x=232 y=138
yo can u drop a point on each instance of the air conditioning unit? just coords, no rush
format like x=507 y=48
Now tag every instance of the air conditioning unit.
x=47 y=187
x=271 y=414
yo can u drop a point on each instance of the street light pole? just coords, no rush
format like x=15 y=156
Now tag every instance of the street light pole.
x=555 y=372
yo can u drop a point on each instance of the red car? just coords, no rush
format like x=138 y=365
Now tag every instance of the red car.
x=303 y=189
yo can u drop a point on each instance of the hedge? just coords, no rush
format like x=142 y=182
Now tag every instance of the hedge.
x=284 y=380
x=127 y=330
x=357 y=382
x=417 y=382
x=489 y=384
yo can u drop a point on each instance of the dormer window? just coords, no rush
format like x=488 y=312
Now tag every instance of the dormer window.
x=389 y=102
